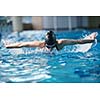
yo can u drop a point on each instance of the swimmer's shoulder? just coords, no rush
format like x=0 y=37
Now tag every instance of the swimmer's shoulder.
x=42 y=44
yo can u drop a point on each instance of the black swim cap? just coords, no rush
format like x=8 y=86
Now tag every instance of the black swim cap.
x=50 y=39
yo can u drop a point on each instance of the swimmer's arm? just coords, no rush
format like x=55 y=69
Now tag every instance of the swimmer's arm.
x=63 y=42
x=26 y=44
x=78 y=41
x=90 y=39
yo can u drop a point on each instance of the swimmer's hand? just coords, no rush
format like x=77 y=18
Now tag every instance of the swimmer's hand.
x=6 y=43
x=92 y=36
x=14 y=45
x=88 y=39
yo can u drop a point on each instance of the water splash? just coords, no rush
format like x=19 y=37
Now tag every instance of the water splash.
x=85 y=47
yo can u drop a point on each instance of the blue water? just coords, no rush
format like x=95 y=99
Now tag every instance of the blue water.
x=27 y=65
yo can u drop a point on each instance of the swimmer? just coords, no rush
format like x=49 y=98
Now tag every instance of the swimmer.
x=51 y=42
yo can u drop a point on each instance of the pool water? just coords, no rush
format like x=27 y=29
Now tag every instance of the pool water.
x=32 y=65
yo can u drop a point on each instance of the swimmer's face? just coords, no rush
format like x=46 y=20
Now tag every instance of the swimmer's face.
x=50 y=40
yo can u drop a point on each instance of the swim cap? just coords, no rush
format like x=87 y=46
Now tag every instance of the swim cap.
x=50 y=39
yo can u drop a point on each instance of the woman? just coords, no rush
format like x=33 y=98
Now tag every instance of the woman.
x=51 y=42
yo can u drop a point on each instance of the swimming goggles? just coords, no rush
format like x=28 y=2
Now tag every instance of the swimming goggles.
x=50 y=46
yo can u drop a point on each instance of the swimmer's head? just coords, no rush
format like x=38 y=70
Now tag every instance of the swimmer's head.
x=50 y=39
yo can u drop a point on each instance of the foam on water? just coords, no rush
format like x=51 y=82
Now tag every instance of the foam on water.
x=85 y=47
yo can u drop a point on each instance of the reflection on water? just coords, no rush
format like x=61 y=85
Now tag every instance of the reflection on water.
x=23 y=69
x=35 y=65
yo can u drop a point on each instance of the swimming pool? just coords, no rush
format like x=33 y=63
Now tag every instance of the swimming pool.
x=32 y=65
